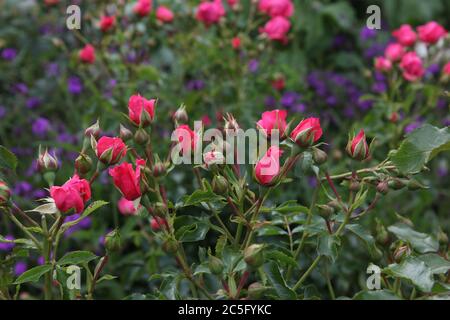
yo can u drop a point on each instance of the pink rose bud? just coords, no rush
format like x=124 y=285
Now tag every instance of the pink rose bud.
x=277 y=28
x=87 y=54
x=126 y=207
x=206 y=120
x=412 y=67
x=140 y=110
x=210 y=12
x=275 y=8
x=157 y=223
x=357 y=147
x=164 y=14
x=46 y=162
x=142 y=7
x=394 y=51
x=213 y=159
x=232 y=3
x=5 y=193
x=273 y=120
x=446 y=69
x=236 y=43
x=405 y=35
x=307 y=132
x=382 y=64
x=181 y=115
x=93 y=130
x=107 y=23
x=128 y=180
x=71 y=195
x=110 y=150
x=278 y=83
x=268 y=167
x=431 y=32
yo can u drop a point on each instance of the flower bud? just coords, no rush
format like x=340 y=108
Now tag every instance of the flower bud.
x=170 y=246
x=93 y=130
x=334 y=204
x=215 y=265
x=159 y=209
x=442 y=237
x=401 y=252
x=213 y=160
x=383 y=187
x=230 y=123
x=396 y=184
x=141 y=136
x=5 y=193
x=415 y=185
x=159 y=169
x=354 y=185
x=220 y=185
x=325 y=210
x=124 y=133
x=255 y=290
x=47 y=162
x=357 y=147
x=254 y=255
x=319 y=156
x=83 y=164
x=307 y=132
x=112 y=241
x=181 y=116
x=382 y=235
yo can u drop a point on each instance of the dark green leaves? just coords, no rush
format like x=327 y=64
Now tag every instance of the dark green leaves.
x=7 y=159
x=420 y=147
x=191 y=229
x=278 y=283
x=376 y=295
x=365 y=235
x=34 y=274
x=76 y=257
x=328 y=246
x=435 y=262
x=200 y=196
x=413 y=270
x=420 y=242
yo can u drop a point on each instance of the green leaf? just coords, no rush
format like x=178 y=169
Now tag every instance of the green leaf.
x=279 y=256
x=419 y=147
x=279 y=284
x=328 y=246
x=376 y=295
x=89 y=210
x=34 y=274
x=191 y=229
x=341 y=13
x=421 y=242
x=435 y=262
x=200 y=196
x=8 y=160
x=364 y=235
x=106 y=277
x=288 y=207
x=76 y=257
x=413 y=270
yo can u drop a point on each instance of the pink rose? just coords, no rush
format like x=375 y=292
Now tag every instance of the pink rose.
x=273 y=120
x=382 y=64
x=71 y=195
x=87 y=54
x=164 y=14
x=394 y=51
x=307 y=132
x=357 y=147
x=210 y=12
x=268 y=167
x=143 y=7
x=140 y=110
x=128 y=180
x=446 y=69
x=274 y=8
x=107 y=23
x=232 y=3
x=111 y=150
x=126 y=207
x=405 y=35
x=412 y=66
x=431 y=32
x=277 y=28
x=157 y=223
x=236 y=43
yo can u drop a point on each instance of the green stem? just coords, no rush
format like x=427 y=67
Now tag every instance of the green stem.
x=306 y=274
x=23 y=228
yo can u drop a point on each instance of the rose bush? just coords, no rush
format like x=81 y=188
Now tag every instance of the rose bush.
x=357 y=180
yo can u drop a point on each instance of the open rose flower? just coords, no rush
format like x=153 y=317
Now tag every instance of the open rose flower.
x=405 y=35
x=273 y=120
x=127 y=179
x=431 y=32
x=412 y=67
x=87 y=54
x=277 y=28
x=107 y=23
x=274 y=8
x=140 y=110
x=394 y=51
x=142 y=7
x=382 y=64
x=210 y=12
x=268 y=167
x=164 y=14
x=126 y=207
x=357 y=147
x=111 y=150
x=71 y=195
x=307 y=132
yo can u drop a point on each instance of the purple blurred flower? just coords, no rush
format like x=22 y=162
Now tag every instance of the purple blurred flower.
x=433 y=70
x=289 y=99
x=299 y=107
x=331 y=101
x=365 y=104
x=39 y=194
x=22 y=188
x=40 y=127
x=442 y=170
x=412 y=126
x=194 y=85
x=83 y=224
x=379 y=87
x=9 y=54
x=20 y=88
x=270 y=102
x=7 y=246
x=40 y=260
x=33 y=102
x=74 y=85
x=375 y=50
x=253 y=65
x=20 y=268
x=52 y=69
x=366 y=33
x=441 y=103
x=2 y=111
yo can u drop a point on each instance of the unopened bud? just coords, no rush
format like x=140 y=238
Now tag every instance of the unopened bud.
x=357 y=147
x=215 y=265
x=170 y=246
x=159 y=209
x=141 y=136
x=255 y=290
x=319 y=156
x=325 y=210
x=124 y=133
x=396 y=184
x=254 y=255
x=442 y=237
x=334 y=204
x=113 y=241
x=401 y=252
x=415 y=185
x=5 y=193
x=159 y=169
x=181 y=116
x=83 y=164
x=354 y=185
x=382 y=235
x=93 y=130
x=383 y=187
x=220 y=185
x=47 y=162
x=230 y=123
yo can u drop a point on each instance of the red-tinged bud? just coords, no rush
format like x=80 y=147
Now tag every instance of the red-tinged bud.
x=181 y=115
x=159 y=169
x=141 y=136
x=278 y=83
x=383 y=187
x=124 y=133
x=319 y=156
x=393 y=117
x=5 y=193
x=141 y=111
x=157 y=223
x=93 y=130
x=113 y=241
x=268 y=167
x=213 y=159
x=357 y=147
x=230 y=123
x=401 y=252
x=47 y=162
x=83 y=164
x=307 y=132
x=110 y=150
x=256 y=290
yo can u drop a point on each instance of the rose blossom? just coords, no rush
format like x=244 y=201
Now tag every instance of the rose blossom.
x=210 y=12
x=383 y=64
x=143 y=7
x=140 y=110
x=273 y=120
x=126 y=207
x=307 y=132
x=128 y=180
x=107 y=23
x=87 y=54
x=71 y=195
x=164 y=14
x=277 y=28
x=111 y=150
x=446 y=69
x=268 y=167
x=431 y=32
x=412 y=66
x=274 y=8
x=394 y=51
x=405 y=35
